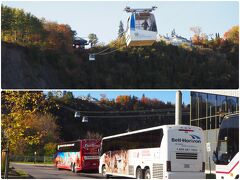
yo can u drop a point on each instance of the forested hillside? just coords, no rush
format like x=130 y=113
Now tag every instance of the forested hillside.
x=34 y=120
x=47 y=47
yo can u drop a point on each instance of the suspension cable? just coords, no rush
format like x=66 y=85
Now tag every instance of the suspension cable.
x=99 y=53
x=133 y=111
x=136 y=116
x=111 y=51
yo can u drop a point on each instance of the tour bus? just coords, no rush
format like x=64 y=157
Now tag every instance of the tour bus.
x=163 y=152
x=80 y=155
x=226 y=156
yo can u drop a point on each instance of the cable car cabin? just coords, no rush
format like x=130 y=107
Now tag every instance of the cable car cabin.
x=77 y=114
x=91 y=57
x=141 y=29
x=85 y=119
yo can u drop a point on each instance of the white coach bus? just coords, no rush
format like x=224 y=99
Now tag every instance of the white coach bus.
x=226 y=156
x=169 y=151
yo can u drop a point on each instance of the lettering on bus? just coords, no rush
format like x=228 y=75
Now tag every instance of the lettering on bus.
x=194 y=139
x=91 y=145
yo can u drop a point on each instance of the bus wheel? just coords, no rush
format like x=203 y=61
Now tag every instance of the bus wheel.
x=104 y=172
x=147 y=174
x=58 y=167
x=139 y=173
x=74 y=168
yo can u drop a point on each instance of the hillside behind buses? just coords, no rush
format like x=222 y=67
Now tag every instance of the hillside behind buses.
x=169 y=151
x=78 y=155
x=226 y=156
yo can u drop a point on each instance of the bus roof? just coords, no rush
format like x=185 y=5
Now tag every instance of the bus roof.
x=78 y=140
x=153 y=128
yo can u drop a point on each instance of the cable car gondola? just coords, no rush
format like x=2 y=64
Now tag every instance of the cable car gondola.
x=77 y=114
x=91 y=57
x=141 y=27
x=85 y=119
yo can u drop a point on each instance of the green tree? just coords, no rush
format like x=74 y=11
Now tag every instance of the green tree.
x=6 y=22
x=50 y=148
x=93 y=39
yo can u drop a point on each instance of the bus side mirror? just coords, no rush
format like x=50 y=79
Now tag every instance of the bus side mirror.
x=214 y=157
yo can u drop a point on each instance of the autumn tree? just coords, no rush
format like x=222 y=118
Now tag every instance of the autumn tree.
x=197 y=32
x=59 y=36
x=103 y=98
x=232 y=35
x=41 y=126
x=18 y=109
x=123 y=99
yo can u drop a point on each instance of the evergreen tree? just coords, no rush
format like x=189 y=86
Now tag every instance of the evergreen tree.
x=173 y=33
x=120 y=30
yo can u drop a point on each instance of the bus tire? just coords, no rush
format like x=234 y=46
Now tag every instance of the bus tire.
x=139 y=173
x=58 y=167
x=104 y=172
x=147 y=174
x=74 y=168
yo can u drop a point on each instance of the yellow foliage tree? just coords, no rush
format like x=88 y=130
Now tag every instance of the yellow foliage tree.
x=17 y=107
x=232 y=35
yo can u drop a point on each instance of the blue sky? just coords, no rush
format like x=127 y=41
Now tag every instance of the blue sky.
x=103 y=17
x=162 y=95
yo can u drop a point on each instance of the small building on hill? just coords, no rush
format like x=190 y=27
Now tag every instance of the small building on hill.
x=175 y=39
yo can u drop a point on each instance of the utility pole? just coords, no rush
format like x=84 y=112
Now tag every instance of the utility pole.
x=178 y=108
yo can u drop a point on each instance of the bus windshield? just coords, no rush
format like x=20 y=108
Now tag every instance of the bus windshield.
x=228 y=140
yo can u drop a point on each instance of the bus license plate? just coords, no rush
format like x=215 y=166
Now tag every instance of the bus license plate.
x=186 y=165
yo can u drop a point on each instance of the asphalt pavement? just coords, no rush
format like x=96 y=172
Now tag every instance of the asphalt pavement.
x=50 y=172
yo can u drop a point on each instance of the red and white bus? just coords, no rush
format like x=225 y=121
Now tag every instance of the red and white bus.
x=80 y=155
x=226 y=156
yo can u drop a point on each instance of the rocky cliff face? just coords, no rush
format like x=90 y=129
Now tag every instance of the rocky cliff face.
x=20 y=72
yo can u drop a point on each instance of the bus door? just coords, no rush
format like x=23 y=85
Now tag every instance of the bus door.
x=186 y=150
